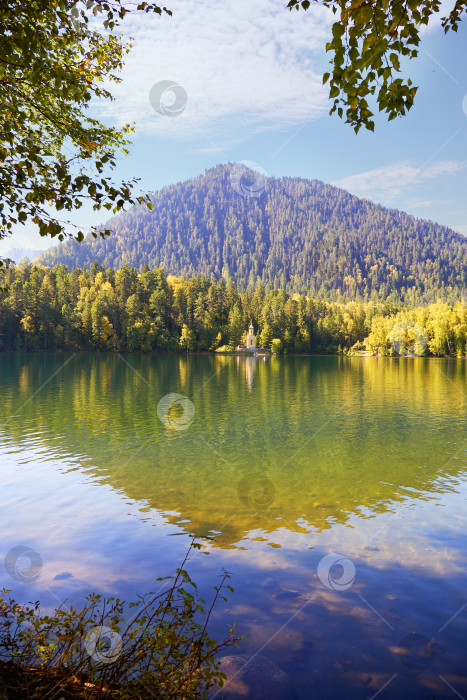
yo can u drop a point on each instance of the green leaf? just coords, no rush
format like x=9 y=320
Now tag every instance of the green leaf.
x=338 y=30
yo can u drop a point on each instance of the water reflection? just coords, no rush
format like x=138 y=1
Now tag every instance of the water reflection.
x=324 y=438
x=248 y=365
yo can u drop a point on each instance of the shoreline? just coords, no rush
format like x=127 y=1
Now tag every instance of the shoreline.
x=225 y=353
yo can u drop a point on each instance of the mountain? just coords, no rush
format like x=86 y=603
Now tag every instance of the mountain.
x=18 y=254
x=299 y=235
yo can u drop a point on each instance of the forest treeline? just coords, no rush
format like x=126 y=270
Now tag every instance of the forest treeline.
x=104 y=309
x=299 y=235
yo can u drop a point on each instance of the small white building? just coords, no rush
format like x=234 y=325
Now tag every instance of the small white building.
x=251 y=338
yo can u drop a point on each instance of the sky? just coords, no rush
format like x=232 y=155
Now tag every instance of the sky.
x=249 y=88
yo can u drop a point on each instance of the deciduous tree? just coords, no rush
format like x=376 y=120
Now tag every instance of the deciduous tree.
x=369 y=41
x=54 y=155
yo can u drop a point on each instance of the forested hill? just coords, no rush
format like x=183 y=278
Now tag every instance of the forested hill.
x=294 y=234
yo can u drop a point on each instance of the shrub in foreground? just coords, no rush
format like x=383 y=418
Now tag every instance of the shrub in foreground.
x=157 y=646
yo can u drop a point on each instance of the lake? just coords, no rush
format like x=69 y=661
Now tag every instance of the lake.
x=334 y=490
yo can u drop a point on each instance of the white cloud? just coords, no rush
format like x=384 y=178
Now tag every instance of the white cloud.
x=209 y=150
x=390 y=182
x=420 y=203
x=244 y=65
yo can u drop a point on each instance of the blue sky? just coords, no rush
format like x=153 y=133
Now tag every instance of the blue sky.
x=252 y=75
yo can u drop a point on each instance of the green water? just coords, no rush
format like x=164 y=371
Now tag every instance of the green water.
x=281 y=462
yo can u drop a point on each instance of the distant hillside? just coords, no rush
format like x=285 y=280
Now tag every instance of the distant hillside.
x=299 y=235
x=18 y=254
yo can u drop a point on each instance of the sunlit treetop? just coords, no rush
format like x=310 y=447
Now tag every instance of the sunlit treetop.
x=56 y=56
x=369 y=40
